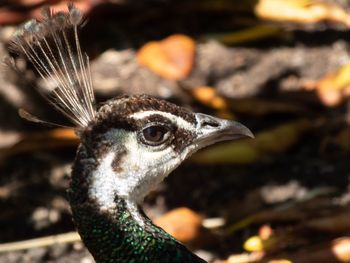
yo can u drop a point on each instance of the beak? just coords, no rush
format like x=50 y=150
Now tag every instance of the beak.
x=212 y=130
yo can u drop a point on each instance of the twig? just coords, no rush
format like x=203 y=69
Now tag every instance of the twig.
x=69 y=237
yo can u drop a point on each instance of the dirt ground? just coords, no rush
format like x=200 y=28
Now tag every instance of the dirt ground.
x=314 y=167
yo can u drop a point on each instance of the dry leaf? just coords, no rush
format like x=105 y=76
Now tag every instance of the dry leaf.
x=171 y=58
x=182 y=223
x=254 y=243
x=333 y=88
x=265 y=241
x=265 y=232
x=341 y=249
x=301 y=11
x=208 y=96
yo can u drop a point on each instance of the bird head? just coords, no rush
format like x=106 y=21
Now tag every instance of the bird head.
x=138 y=140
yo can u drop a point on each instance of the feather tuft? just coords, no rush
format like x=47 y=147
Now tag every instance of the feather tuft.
x=52 y=46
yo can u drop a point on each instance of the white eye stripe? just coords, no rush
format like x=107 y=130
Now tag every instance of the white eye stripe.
x=180 y=122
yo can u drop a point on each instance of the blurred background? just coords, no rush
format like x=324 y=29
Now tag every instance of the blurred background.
x=281 y=67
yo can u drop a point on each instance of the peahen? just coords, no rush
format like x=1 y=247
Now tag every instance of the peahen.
x=128 y=146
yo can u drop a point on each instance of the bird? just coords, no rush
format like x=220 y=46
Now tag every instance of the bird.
x=127 y=146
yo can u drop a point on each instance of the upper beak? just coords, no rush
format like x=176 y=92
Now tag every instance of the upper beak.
x=212 y=130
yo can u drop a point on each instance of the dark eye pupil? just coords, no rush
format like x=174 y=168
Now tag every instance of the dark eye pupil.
x=154 y=133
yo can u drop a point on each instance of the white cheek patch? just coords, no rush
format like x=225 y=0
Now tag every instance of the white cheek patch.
x=103 y=183
x=142 y=167
x=180 y=122
x=146 y=168
x=141 y=171
x=138 y=163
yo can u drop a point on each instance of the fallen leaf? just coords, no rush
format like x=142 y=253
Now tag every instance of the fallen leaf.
x=301 y=11
x=208 y=96
x=171 y=58
x=265 y=241
x=185 y=225
x=341 y=249
x=265 y=232
x=254 y=243
x=333 y=88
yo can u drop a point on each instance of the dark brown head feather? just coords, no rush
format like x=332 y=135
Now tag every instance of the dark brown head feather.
x=115 y=113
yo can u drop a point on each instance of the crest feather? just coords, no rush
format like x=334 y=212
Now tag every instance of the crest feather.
x=52 y=46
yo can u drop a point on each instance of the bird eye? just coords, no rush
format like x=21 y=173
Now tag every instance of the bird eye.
x=155 y=135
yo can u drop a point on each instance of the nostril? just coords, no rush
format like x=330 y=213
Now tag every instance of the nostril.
x=207 y=121
x=210 y=123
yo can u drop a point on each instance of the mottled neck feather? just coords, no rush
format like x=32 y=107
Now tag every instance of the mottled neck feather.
x=114 y=235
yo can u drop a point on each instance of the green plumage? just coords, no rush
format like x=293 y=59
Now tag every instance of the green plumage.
x=119 y=238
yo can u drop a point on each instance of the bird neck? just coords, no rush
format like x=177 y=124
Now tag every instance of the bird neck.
x=122 y=233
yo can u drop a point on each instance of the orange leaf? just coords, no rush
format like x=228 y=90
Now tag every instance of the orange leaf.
x=182 y=223
x=301 y=11
x=332 y=88
x=171 y=58
x=208 y=96
x=341 y=249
